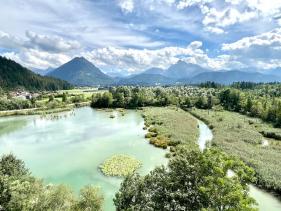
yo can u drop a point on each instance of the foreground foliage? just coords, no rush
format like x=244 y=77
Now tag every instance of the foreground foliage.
x=21 y=191
x=192 y=181
x=120 y=165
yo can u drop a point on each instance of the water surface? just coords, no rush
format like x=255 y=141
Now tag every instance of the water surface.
x=70 y=149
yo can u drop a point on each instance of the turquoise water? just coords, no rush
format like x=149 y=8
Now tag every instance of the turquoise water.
x=70 y=149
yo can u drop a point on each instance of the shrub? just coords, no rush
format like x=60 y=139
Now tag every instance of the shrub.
x=149 y=135
x=152 y=130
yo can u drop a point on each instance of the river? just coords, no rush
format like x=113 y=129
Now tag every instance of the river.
x=266 y=201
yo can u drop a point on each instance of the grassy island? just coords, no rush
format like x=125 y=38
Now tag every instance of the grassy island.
x=120 y=165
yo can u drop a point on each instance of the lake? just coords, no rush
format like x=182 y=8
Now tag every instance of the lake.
x=70 y=149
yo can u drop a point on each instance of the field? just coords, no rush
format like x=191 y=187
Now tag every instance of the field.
x=241 y=136
x=174 y=123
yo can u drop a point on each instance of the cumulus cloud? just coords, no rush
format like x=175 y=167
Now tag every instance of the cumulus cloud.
x=226 y=17
x=214 y=30
x=37 y=41
x=32 y=58
x=127 y=6
x=217 y=15
x=9 y=41
x=188 y=3
x=134 y=60
x=260 y=51
x=270 y=39
x=50 y=43
x=37 y=51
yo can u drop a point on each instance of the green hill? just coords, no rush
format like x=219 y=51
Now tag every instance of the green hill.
x=13 y=76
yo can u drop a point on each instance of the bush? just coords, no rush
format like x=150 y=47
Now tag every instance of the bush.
x=271 y=135
x=149 y=135
x=152 y=130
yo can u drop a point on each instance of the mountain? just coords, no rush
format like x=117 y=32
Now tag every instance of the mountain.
x=228 y=77
x=146 y=80
x=13 y=76
x=183 y=70
x=154 y=71
x=79 y=71
x=276 y=72
x=42 y=71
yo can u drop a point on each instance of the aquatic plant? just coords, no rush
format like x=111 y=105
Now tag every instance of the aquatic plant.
x=120 y=165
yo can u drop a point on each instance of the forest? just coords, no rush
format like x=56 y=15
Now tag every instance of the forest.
x=14 y=76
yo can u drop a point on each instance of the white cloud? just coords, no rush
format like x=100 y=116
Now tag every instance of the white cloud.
x=127 y=6
x=188 y=3
x=226 y=17
x=270 y=39
x=9 y=41
x=50 y=43
x=36 y=41
x=215 y=30
x=261 y=51
x=32 y=58
x=133 y=60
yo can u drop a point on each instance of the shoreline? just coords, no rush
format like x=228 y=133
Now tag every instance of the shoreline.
x=39 y=111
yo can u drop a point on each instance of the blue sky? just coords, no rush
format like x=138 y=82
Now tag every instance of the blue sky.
x=132 y=35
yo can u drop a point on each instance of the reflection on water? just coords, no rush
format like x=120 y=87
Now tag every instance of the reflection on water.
x=69 y=150
x=205 y=135
x=266 y=201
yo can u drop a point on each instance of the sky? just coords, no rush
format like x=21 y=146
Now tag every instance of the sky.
x=128 y=36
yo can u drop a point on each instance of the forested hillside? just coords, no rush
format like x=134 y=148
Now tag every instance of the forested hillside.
x=13 y=76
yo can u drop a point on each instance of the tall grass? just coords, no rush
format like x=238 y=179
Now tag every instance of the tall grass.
x=241 y=136
x=171 y=125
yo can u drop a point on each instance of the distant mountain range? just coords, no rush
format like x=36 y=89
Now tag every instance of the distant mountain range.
x=14 y=76
x=145 y=79
x=42 y=72
x=228 y=77
x=81 y=72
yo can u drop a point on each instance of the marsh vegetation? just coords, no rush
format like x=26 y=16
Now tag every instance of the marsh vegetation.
x=120 y=165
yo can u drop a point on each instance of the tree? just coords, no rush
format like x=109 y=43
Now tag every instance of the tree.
x=192 y=181
x=90 y=199
x=51 y=98
x=249 y=104
x=107 y=99
x=21 y=191
x=209 y=102
x=11 y=166
x=64 y=97
x=200 y=103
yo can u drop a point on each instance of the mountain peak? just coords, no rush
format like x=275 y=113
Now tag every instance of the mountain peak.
x=79 y=59
x=79 y=71
x=181 y=62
